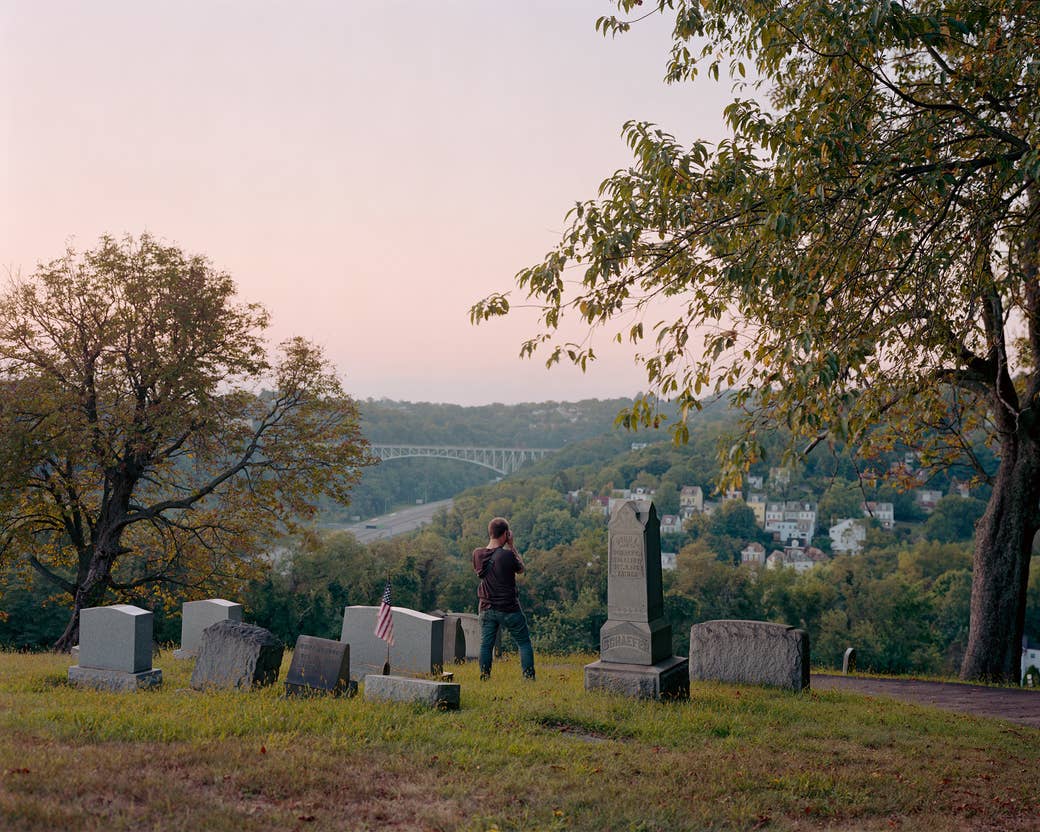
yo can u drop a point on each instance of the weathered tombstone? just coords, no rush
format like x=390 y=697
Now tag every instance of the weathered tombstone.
x=454 y=650
x=749 y=653
x=848 y=662
x=471 y=631
x=442 y=695
x=196 y=616
x=418 y=642
x=115 y=649
x=319 y=665
x=237 y=655
x=636 y=641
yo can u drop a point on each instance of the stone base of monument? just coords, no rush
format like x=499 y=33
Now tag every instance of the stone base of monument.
x=668 y=679
x=118 y=680
x=442 y=695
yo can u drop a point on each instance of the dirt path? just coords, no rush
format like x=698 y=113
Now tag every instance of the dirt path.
x=1014 y=705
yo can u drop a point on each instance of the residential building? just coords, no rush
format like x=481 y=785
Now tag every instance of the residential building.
x=847 y=536
x=960 y=489
x=791 y=558
x=926 y=498
x=757 y=503
x=671 y=524
x=691 y=497
x=732 y=494
x=668 y=560
x=884 y=513
x=791 y=519
x=755 y=483
x=753 y=553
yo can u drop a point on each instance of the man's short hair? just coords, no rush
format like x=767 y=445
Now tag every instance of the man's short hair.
x=498 y=527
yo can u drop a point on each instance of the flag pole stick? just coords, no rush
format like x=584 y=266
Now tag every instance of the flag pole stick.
x=386 y=666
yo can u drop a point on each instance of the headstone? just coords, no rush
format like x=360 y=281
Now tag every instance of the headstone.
x=848 y=662
x=196 y=616
x=236 y=655
x=471 y=632
x=454 y=650
x=319 y=665
x=442 y=695
x=115 y=649
x=636 y=640
x=418 y=642
x=750 y=653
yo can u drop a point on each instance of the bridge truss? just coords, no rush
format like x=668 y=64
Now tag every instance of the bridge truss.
x=501 y=460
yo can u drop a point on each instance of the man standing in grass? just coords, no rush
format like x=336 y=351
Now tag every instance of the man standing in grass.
x=497 y=566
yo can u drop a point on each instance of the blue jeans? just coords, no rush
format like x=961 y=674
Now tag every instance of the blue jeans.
x=516 y=624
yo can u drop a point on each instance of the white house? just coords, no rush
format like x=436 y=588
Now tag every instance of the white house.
x=692 y=498
x=668 y=560
x=791 y=519
x=755 y=483
x=847 y=536
x=754 y=553
x=671 y=524
x=791 y=558
x=884 y=513
x=926 y=498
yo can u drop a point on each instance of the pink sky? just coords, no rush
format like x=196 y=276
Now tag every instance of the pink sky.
x=365 y=170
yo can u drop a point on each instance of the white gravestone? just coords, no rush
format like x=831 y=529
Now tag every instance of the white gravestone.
x=115 y=649
x=418 y=642
x=196 y=616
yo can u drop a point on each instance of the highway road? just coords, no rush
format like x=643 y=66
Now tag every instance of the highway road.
x=395 y=523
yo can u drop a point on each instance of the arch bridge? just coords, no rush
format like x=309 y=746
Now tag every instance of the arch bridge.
x=503 y=461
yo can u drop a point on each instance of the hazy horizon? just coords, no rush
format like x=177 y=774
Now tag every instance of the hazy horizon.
x=367 y=172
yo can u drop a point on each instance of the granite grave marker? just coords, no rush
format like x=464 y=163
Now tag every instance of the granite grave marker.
x=115 y=649
x=636 y=640
x=196 y=616
x=237 y=655
x=418 y=642
x=319 y=665
x=750 y=653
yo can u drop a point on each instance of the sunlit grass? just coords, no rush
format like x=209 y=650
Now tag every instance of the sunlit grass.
x=516 y=755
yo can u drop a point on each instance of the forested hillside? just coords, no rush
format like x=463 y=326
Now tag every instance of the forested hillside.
x=405 y=481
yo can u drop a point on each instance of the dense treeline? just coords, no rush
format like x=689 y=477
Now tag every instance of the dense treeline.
x=903 y=602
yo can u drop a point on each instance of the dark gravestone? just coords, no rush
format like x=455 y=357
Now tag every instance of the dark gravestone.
x=237 y=655
x=319 y=665
x=636 y=641
x=454 y=640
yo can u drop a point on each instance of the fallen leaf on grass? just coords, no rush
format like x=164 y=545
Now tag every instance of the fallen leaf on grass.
x=263 y=749
x=15 y=771
x=306 y=818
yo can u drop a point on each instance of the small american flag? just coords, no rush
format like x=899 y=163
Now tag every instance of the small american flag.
x=385 y=618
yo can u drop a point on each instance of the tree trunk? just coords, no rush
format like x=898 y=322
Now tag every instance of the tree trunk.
x=1003 y=546
x=89 y=593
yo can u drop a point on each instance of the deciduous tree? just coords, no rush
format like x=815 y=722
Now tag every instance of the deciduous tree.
x=859 y=258
x=146 y=439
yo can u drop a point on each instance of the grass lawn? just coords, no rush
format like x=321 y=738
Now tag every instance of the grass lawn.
x=516 y=756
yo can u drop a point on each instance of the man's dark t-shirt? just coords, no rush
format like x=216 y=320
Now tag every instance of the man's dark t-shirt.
x=497 y=570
